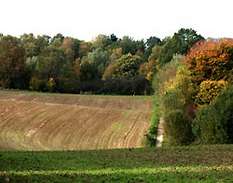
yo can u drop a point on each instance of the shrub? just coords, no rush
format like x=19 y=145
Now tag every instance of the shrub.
x=134 y=86
x=51 y=84
x=209 y=90
x=208 y=128
x=177 y=108
x=38 y=84
x=165 y=74
x=152 y=132
x=178 y=130
x=67 y=85
x=123 y=86
x=174 y=91
x=178 y=92
x=214 y=122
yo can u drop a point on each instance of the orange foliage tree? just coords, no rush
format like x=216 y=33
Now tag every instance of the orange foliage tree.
x=211 y=60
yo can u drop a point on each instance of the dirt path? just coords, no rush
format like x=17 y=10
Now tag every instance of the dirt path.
x=160 y=133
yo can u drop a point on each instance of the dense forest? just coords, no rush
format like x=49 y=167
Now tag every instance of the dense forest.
x=106 y=65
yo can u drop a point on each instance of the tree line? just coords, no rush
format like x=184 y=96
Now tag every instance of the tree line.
x=194 y=96
x=106 y=65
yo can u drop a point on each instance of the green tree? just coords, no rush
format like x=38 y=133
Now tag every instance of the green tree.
x=42 y=42
x=127 y=66
x=101 y=41
x=57 y=40
x=52 y=63
x=151 y=42
x=180 y=43
x=129 y=45
x=99 y=59
x=29 y=43
x=88 y=70
x=113 y=38
x=34 y=45
x=110 y=69
x=214 y=122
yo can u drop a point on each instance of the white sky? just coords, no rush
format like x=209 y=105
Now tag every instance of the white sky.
x=84 y=19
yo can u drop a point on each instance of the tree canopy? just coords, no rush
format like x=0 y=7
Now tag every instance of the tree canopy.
x=61 y=63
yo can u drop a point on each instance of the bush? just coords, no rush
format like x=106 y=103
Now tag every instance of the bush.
x=178 y=92
x=120 y=86
x=163 y=75
x=51 y=84
x=174 y=91
x=38 y=84
x=214 y=122
x=67 y=85
x=178 y=130
x=209 y=90
x=177 y=108
x=166 y=74
x=152 y=132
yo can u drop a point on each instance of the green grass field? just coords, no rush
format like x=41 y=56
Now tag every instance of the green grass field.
x=180 y=164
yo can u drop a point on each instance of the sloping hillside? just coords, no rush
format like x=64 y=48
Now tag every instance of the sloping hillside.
x=35 y=121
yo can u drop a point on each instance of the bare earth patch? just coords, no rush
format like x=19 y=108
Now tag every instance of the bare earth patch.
x=32 y=121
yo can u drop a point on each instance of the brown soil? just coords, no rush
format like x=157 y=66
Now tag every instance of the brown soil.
x=32 y=121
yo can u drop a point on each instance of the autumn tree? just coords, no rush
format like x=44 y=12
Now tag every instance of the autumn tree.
x=77 y=67
x=211 y=60
x=84 y=48
x=70 y=46
x=110 y=69
x=115 y=54
x=12 y=63
x=150 y=68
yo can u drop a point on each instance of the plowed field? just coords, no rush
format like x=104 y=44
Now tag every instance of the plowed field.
x=35 y=121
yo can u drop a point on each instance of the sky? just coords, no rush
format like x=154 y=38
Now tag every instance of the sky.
x=140 y=19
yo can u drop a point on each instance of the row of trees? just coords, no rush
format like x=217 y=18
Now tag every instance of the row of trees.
x=107 y=65
x=195 y=95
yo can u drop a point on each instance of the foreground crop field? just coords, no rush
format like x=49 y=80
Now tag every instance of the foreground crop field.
x=180 y=164
x=36 y=121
